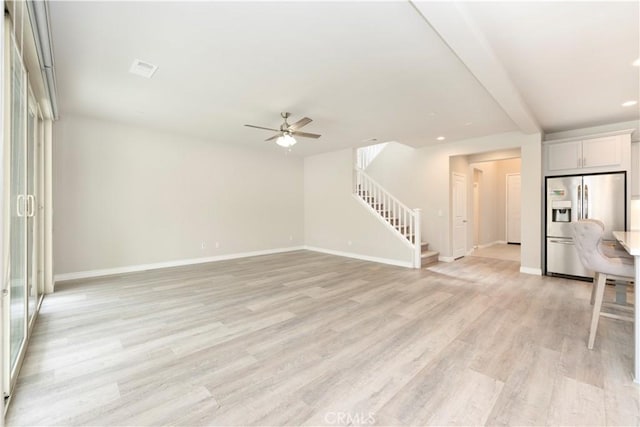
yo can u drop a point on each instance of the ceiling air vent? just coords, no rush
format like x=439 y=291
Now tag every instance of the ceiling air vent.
x=142 y=68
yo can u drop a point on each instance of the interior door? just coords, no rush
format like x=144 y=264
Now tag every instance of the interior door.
x=459 y=209
x=513 y=208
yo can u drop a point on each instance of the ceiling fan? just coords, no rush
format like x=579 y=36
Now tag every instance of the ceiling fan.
x=285 y=134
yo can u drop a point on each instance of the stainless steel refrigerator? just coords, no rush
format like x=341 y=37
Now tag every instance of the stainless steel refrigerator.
x=570 y=198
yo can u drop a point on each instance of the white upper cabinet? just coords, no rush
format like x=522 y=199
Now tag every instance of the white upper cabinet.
x=586 y=155
x=606 y=151
x=567 y=155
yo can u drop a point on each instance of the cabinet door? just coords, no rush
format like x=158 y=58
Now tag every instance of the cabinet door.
x=606 y=151
x=565 y=155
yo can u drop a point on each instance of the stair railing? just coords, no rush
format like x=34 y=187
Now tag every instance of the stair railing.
x=365 y=155
x=402 y=219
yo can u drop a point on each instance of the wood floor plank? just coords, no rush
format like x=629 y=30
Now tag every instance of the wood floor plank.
x=304 y=338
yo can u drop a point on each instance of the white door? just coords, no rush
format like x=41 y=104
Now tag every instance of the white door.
x=476 y=214
x=513 y=208
x=459 y=208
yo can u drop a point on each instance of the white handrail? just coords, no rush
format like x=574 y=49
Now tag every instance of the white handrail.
x=404 y=220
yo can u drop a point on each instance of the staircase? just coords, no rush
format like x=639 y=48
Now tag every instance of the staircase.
x=427 y=257
x=403 y=220
x=365 y=155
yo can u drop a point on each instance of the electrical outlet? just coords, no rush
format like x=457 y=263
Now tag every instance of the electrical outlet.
x=291 y=238
x=203 y=245
x=217 y=245
x=349 y=242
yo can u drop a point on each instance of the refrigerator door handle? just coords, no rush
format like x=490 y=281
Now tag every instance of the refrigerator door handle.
x=586 y=201
x=579 y=201
x=563 y=242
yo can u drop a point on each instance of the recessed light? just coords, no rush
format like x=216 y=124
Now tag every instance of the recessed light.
x=440 y=138
x=431 y=113
x=636 y=63
x=468 y=123
x=142 y=68
x=629 y=103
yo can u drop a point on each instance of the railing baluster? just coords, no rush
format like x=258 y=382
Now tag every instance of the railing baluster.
x=394 y=212
x=410 y=223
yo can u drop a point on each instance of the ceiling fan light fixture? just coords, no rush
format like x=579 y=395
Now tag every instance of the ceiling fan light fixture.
x=286 y=141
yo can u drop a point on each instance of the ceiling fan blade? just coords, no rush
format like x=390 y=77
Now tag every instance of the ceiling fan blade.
x=278 y=135
x=306 y=134
x=260 y=127
x=302 y=122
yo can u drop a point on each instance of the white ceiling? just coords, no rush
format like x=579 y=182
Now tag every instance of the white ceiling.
x=359 y=70
x=571 y=61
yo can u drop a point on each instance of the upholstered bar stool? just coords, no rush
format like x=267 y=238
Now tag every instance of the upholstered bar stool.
x=587 y=235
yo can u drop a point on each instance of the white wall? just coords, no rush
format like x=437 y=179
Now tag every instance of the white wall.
x=420 y=178
x=335 y=221
x=126 y=196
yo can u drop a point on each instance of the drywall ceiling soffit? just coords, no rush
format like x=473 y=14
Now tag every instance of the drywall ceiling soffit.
x=360 y=70
x=571 y=61
x=453 y=24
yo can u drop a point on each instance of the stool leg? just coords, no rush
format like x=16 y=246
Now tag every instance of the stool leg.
x=599 y=282
x=593 y=289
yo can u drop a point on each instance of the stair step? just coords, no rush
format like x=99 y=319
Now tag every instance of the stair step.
x=424 y=247
x=429 y=258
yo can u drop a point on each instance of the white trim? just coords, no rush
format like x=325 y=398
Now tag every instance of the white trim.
x=506 y=205
x=3 y=168
x=495 y=242
x=388 y=261
x=168 y=264
x=531 y=270
x=446 y=259
x=589 y=136
x=453 y=212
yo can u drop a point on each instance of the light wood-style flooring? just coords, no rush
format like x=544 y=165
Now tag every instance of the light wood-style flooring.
x=304 y=338
x=501 y=251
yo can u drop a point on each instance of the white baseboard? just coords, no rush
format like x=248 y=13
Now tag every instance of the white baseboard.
x=492 y=243
x=530 y=270
x=446 y=259
x=178 y=263
x=388 y=261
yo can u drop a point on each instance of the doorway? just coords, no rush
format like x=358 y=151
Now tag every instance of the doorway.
x=477 y=197
x=495 y=204
x=459 y=209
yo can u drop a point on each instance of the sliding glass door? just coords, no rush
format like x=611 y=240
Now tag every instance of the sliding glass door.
x=18 y=206
x=23 y=148
x=26 y=139
x=31 y=210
